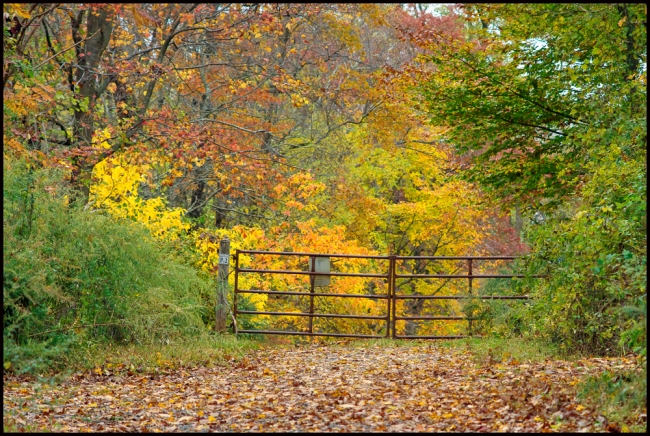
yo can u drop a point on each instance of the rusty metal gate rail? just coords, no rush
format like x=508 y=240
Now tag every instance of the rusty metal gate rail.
x=313 y=274
x=470 y=276
x=391 y=295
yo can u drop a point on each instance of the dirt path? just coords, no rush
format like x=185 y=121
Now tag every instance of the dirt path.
x=316 y=388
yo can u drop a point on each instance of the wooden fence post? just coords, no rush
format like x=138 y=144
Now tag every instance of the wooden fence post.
x=221 y=309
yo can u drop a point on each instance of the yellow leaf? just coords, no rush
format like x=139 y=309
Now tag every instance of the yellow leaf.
x=18 y=10
x=211 y=418
x=201 y=414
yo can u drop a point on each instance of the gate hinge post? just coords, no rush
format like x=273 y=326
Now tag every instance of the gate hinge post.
x=221 y=306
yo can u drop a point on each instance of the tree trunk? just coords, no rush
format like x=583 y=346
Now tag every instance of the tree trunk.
x=99 y=26
x=518 y=221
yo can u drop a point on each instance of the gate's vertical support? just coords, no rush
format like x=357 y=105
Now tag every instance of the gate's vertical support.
x=469 y=315
x=390 y=296
x=234 y=298
x=312 y=280
x=393 y=294
x=221 y=309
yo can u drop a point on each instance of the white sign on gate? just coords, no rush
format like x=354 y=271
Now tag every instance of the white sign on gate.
x=322 y=266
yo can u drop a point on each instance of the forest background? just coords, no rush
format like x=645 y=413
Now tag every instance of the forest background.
x=136 y=136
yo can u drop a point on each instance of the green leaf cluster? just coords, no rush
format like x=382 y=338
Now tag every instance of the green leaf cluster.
x=537 y=91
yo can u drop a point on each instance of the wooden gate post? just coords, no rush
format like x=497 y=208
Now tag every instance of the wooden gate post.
x=221 y=309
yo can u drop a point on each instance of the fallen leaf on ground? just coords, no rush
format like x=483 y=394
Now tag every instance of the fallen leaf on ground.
x=321 y=388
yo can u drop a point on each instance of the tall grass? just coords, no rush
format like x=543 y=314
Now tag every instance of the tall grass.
x=73 y=275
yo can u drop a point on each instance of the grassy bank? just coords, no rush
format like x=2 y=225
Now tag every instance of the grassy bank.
x=205 y=350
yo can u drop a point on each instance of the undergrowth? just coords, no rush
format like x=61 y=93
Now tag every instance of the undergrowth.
x=621 y=397
x=76 y=278
x=206 y=350
x=495 y=349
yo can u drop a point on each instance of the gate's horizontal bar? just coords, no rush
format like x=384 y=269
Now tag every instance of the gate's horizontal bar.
x=338 y=335
x=285 y=253
x=458 y=276
x=362 y=256
x=431 y=337
x=255 y=291
x=457 y=257
x=281 y=271
x=443 y=318
x=461 y=297
x=323 y=315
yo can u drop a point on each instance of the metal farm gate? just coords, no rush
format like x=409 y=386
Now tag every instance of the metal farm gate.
x=317 y=268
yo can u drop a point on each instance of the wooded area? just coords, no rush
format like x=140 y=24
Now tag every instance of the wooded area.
x=137 y=137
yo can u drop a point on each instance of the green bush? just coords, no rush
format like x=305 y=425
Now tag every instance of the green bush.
x=595 y=257
x=72 y=275
x=592 y=253
x=500 y=318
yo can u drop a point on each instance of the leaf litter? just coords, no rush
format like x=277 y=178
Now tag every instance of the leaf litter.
x=321 y=388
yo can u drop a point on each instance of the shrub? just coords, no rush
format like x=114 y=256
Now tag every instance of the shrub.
x=594 y=255
x=72 y=274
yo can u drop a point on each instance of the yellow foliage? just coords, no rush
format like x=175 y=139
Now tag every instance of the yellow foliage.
x=17 y=9
x=307 y=237
x=13 y=145
x=20 y=100
x=240 y=238
x=101 y=137
x=115 y=189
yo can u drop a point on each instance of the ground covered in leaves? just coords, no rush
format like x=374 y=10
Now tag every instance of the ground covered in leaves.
x=320 y=388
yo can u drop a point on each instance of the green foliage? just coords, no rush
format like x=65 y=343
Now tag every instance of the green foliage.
x=595 y=260
x=205 y=349
x=540 y=90
x=593 y=255
x=72 y=275
x=495 y=349
x=500 y=318
x=621 y=397
x=550 y=102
